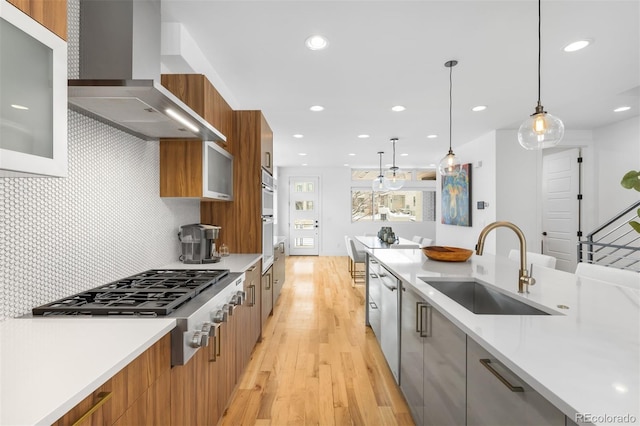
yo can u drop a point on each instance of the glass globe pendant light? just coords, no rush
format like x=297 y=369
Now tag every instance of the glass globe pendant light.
x=450 y=165
x=394 y=178
x=378 y=183
x=541 y=130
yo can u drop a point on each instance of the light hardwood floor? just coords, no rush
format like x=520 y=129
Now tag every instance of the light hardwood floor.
x=317 y=364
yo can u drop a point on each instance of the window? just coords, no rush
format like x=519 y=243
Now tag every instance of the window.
x=411 y=205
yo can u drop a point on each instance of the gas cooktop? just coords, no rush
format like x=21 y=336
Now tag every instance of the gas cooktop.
x=156 y=292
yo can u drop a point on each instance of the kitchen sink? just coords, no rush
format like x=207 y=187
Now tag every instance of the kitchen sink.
x=482 y=300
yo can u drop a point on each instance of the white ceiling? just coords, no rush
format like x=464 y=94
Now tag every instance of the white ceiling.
x=385 y=53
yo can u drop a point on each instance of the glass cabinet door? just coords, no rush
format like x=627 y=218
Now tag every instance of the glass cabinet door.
x=33 y=97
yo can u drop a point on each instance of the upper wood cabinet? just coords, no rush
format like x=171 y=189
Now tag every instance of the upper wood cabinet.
x=195 y=169
x=50 y=13
x=241 y=220
x=199 y=94
x=266 y=144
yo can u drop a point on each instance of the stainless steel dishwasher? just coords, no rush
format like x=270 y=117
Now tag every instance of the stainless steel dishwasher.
x=383 y=313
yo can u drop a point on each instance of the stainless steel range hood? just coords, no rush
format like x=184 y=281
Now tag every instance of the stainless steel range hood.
x=120 y=73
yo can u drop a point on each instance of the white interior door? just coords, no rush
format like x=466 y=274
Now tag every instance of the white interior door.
x=560 y=207
x=304 y=216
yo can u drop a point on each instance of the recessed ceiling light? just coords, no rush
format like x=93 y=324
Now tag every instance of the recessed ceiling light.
x=346 y=164
x=22 y=107
x=398 y=108
x=298 y=136
x=577 y=45
x=302 y=154
x=622 y=108
x=304 y=164
x=363 y=136
x=352 y=154
x=479 y=108
x=316 y=42
x=317 y=108
x=432 y=165
x=404 y=154
x=432 y=136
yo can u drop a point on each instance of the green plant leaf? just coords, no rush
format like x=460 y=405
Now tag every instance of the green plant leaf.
x=635 y=225
x=631 y=180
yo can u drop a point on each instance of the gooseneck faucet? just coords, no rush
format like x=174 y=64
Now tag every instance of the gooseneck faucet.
x=524 y=279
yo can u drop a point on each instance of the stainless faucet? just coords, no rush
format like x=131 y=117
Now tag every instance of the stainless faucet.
x=524 y=278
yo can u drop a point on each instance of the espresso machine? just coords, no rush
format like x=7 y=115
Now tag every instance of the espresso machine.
x=198 y=243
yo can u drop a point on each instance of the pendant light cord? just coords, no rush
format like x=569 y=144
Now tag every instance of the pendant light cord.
x=450 y=104
x=539 y=43
x=380 y=154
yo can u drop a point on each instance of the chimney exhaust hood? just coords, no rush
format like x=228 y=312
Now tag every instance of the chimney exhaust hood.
x=120 y=73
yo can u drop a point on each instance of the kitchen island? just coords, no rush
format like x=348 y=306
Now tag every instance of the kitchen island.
x=584 y=357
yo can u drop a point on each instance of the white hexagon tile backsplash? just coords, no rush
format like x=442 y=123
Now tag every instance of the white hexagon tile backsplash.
x=105 y=221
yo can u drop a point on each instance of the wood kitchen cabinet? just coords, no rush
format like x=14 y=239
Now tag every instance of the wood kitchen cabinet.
x=266 y=145
x=496 y=396
x=267 y=294
x=140 y=391
x=433 y=362
x=187 y=168
x=52 y=14
x=278 y=270
x=200 y=95
x=240 y=219
x=253 y=290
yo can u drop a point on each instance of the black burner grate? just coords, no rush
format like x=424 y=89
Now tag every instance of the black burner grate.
x=156 y=292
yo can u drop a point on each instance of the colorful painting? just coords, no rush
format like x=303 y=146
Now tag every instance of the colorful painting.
x=456 y=198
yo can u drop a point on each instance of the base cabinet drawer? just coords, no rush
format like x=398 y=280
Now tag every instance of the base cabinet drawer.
x=496 y=396
x=135 y=388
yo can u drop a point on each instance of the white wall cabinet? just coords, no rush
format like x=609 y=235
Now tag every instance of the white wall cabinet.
x=496 y=396
x=432 y=363
x=33 y=87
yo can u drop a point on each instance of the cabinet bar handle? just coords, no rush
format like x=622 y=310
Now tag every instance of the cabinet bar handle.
x=102 y=398
x=423 y=307
x=373 y=305
x=253 y=268
x=268 y=154
x=487 y=363
x=219 y=344
x=213 y=347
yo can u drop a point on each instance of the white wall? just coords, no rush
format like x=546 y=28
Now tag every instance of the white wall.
x=618 y=150
x=483 y=188
x=335 y=210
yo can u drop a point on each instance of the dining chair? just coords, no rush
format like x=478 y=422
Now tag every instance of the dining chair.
x=417 y=239
x=534 y=258
x=357 y=257
x=623 y=277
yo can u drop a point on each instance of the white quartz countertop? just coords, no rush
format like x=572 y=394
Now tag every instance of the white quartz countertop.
x=233 y=262
x=584 y=359
x=48 y=365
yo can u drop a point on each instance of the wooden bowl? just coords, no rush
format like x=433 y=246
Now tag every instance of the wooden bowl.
x=447 y=254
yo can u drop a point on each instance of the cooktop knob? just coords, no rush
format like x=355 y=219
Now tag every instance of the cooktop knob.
x=220 y=316
x=196 y=339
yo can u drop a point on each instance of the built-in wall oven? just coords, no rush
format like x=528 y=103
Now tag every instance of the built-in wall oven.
x=267 y=220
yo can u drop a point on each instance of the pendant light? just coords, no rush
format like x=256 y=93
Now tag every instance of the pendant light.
x=394 y=178
x=450 y=165
x=541 y=130
x=378 y=183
